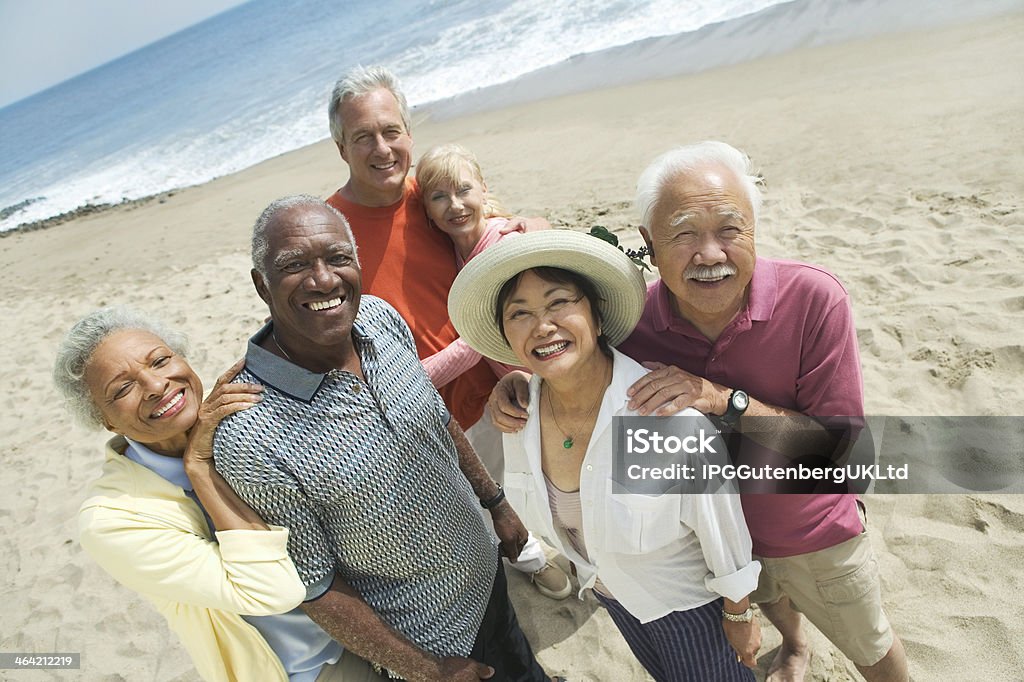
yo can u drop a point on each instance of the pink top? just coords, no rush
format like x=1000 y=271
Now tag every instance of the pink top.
x=567 y=515
x=793 y=346
x=445 y=365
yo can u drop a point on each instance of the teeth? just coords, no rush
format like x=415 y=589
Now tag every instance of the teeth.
x=552 y=349
x=324 y=305
x=385 y=166
x=177 y=399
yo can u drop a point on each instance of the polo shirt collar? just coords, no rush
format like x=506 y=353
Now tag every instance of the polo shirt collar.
x=285 y=375
x=764 y=288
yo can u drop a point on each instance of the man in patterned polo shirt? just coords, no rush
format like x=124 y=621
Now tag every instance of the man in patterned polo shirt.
x=353 y=450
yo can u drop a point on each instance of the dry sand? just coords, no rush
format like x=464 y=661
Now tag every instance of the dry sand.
x=895 y=162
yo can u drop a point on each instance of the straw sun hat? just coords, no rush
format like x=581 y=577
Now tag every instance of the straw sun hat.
x=474 y=294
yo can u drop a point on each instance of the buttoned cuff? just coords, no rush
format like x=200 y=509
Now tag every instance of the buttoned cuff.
x=735 y=586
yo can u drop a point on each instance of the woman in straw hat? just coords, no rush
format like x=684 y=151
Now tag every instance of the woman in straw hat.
x=666 y=566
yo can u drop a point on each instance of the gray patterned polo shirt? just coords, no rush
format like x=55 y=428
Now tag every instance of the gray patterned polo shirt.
x=366 y=478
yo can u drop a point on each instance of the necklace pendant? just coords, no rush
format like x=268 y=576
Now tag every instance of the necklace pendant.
x=567 y=443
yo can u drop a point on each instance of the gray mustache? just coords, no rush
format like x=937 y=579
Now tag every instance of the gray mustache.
x=709 y=271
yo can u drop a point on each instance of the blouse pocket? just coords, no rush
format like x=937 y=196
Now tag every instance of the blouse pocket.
x=524 y=500
x=638 y=524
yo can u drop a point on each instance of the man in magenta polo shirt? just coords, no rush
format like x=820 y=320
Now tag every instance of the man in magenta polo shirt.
x=741 y=335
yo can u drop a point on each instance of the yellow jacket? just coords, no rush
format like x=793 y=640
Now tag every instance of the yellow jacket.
x=146 y=533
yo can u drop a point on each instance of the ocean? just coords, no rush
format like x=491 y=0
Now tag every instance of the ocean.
x=253 y=82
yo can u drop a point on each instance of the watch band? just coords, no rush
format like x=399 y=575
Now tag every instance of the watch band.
x=494 y=501
x=735 y=407
x=744 y=617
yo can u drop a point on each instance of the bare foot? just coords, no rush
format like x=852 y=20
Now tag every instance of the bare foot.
x=790 y=664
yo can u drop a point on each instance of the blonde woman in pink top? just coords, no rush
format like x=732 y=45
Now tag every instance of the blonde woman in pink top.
x=458 y=203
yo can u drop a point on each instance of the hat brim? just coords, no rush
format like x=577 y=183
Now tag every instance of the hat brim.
x=474 y=294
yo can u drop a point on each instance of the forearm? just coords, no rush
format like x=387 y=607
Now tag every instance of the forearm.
x=226 y=509
x=346 y=617
x=790 y=433
x=735 y=607
x=472 y=468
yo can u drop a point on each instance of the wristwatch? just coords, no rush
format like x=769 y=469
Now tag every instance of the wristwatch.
x=739 y=401
x=744 y=617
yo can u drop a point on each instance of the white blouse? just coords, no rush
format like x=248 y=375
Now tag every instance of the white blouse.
x=656 y=554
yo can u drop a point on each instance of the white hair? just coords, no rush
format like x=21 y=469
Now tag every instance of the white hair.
x=686 y=159
x=77 y=348
x=260 y=242
x=360 y=81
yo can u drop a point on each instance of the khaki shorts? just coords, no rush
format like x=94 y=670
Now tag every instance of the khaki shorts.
x=837 y=588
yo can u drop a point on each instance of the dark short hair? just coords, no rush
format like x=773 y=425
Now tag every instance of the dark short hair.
x=554 y=276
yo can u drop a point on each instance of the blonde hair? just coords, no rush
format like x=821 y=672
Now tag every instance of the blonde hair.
x=443 y=165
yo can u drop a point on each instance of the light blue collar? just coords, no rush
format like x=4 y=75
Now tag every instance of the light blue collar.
x=170 y=468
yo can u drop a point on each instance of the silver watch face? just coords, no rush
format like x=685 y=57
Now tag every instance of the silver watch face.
x=740 y=400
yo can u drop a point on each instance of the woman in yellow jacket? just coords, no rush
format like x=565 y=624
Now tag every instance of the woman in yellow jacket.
x=162 y=522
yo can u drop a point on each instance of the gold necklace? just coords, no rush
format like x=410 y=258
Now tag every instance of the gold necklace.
x=280 y=347
x=570 y=438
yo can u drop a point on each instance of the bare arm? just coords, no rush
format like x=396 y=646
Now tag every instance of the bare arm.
x=745 y=638
x=226 y=509
x=667 y=390
x=344 y=615
x=510 y=530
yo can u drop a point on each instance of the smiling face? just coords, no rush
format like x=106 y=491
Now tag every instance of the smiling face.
x=458 y=208
x=551 y=327
x=312 y=287
x=377 y=148
x=144 y=390
x=702 y=240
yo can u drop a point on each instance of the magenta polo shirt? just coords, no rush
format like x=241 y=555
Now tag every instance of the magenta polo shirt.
x=794 y=346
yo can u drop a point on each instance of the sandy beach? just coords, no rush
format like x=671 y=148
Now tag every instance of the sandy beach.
x=894 y=162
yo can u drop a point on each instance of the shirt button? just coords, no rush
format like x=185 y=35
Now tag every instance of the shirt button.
x=356 y=388
x=590 y=467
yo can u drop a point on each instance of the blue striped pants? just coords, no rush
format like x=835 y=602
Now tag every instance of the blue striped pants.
x=684 y=646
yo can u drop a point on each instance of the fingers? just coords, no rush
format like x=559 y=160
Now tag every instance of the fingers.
x=511 y=550
x=507 y=401
x=650 y=364
x=514 y=224
x=521 y=385
x=485 y=672
x=230 y=373
x=228 y=399
x=641 y=385
x=238 y=404
x=663 y=403
x=504 y=422
x=662 y=387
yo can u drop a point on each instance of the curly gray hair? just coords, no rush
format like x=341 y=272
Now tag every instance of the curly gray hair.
x=81 y=341
x=261 y=243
